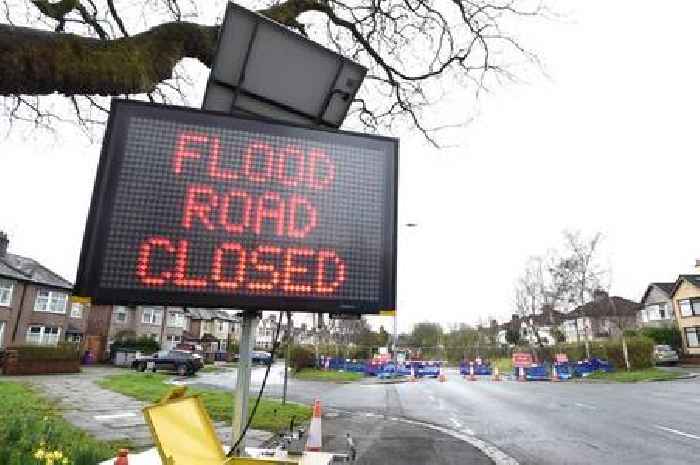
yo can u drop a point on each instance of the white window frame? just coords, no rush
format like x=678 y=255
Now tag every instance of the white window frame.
x=172 y=340
x=176 y=319
x=121 y=310
x=155 y=316
x=692 y=303
x=7 y=288
x=2 y=333
x=696 y=330
x=51 y=297
x=77 y=310
x=43 y=335
x=74 y=337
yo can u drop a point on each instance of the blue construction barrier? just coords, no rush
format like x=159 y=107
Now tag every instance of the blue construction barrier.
x=586 y=367
x=564 y=370
x=482 y=369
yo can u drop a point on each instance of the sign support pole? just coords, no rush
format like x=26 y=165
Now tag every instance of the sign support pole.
x=240 y=407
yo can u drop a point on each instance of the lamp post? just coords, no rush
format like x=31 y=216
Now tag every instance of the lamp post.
x=396 y=324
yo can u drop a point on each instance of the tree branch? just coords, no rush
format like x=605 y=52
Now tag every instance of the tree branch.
x=38 y=62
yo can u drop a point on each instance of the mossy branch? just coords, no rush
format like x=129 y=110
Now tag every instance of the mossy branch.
x=36 y=62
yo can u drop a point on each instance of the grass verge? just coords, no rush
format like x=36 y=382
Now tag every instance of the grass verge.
x=505 y=365
x=29 y=422
x=312 y=374
x=150 y=387
x=648 y=374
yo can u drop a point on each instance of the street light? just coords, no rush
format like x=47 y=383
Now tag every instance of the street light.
x=396 y=325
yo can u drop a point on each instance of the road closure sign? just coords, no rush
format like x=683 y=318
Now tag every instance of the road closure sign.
x=193 y=208
x=522 y=359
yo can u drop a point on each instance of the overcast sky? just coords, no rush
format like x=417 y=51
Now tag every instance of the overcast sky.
x=605 y=141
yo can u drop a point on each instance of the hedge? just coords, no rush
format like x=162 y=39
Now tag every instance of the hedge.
x=62 y=351
x=144 y=344
x=301 y=357
x=639 y=350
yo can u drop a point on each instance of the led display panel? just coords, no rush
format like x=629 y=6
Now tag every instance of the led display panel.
x=194 y=208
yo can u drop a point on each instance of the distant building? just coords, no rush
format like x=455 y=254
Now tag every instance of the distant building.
x=166 y=325
x=657 y=306
x=602 y=318
x=35 y=306
x=686 y=305
x=214 y=329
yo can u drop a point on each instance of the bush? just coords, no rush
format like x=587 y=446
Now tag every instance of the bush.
x=639 y=350
x=144 y=344
x=63 y=351
x=301 y=357
x=669 y=335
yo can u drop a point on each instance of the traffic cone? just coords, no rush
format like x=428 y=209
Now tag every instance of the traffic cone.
x=413 y=373
x=521 y=374
x=496 y=374
x=471 y=373
x=122 y=457
x=441 y=377
x=313 y=443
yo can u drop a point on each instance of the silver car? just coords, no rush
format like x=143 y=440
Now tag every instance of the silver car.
x=665 y=354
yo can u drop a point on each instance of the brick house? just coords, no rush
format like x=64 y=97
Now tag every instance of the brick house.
x=686 y=305
x=35 y=305
x=166 y=325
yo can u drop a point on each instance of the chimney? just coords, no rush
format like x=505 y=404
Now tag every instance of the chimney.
x=599 y=294
x=4 y=242
x=697 y=265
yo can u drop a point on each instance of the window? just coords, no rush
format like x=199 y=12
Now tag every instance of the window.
x=6 y=287
x=651 y=313
x=176 y=319
x=152 y=315
x=173 y=341
x=662 y=312
x=221 y=326
x=51 y=301
x=689 y=307
x=76 y=310
x=43 y=335
x=154 y=336
x=2 y=332
x=121 y=314
x=692 y=336
x=74 y=338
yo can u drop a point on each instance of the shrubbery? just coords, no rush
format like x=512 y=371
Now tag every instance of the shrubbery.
x=143 y=344
x=639 y=350
x=669 y=335
x=63 y=351
x=301 y=357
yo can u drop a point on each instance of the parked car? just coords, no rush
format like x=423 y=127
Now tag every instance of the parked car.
x=184 y=363
x=665 y=354
x=260 y=357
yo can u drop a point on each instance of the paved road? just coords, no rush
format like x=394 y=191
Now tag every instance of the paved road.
x=536 y=423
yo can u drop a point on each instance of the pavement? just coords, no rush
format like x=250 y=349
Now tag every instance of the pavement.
x=107 y=415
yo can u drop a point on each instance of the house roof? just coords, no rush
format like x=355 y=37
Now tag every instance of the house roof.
x=26 y=269
x=211 y=314
x=693 y=279
x=666 y=288
x=606 y=306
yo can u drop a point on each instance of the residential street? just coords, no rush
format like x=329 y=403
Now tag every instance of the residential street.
x=535 y=423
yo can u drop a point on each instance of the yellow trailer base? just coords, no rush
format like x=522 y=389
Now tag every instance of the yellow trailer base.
x=185 y=435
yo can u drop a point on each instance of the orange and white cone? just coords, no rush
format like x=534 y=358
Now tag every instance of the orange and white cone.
x=441 y=377
x=555 y=376
x=313 y=443
x=496 y=374
x=413 y=373
x=122 y=457
x=471 y=373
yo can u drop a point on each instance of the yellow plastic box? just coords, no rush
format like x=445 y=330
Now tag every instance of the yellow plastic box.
x=185 y=435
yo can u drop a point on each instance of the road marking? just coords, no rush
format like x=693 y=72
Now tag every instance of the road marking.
x=499 y=457
x=675 y=431
x=114 y=416
x=586 y=406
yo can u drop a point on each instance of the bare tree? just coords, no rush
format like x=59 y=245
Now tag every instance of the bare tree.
x=80 y=51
